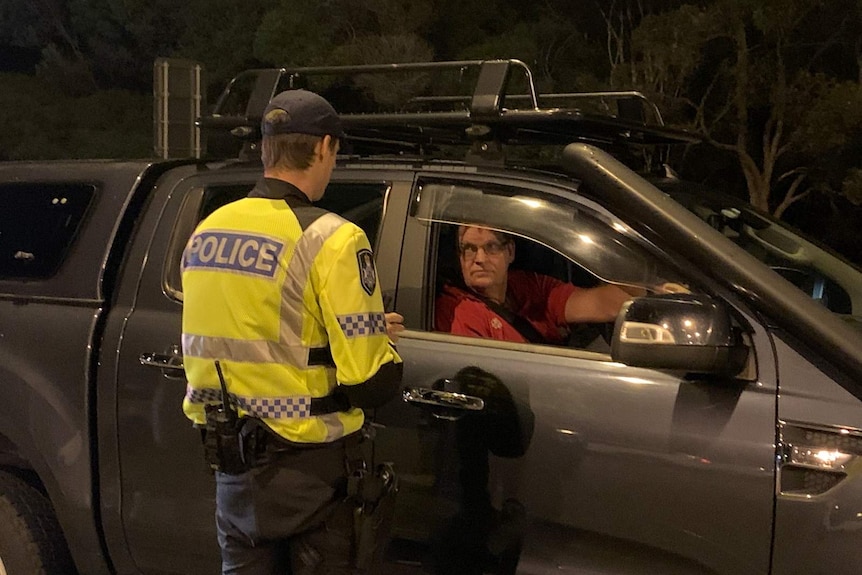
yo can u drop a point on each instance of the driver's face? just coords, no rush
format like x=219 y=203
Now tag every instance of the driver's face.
x=485 y=259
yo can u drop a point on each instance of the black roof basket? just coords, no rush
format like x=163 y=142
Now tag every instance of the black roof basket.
x=474 y=101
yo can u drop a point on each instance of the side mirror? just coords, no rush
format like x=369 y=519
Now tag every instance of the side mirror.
x=686 y=332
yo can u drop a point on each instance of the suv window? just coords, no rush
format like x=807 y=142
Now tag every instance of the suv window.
x=360 y=202
x=574 y=243
x=580 y=232
x=812 y=268
x=38 y=224
x=530 y=258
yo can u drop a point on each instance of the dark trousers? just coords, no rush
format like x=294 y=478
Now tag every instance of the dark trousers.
x=287 y=516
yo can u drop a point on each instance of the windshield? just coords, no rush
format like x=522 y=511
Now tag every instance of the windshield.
x=814 y=269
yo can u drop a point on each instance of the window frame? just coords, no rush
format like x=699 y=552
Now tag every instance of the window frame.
x=52 y=250
x=557 y=194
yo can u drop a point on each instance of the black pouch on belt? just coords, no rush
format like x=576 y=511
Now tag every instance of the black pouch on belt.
x=373 y=495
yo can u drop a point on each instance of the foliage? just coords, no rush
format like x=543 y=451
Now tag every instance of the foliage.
x=827 y=112
x=47 y=124
x=757 y=79
x=679 y=55
x=773 y=86
x=353 y=32
x=852 y=186
x=292 y=34
x=20 y=23
x=221 y=35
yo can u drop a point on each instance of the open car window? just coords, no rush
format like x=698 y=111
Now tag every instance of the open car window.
x=603 y=246
x=530 y=258
x=573 y=243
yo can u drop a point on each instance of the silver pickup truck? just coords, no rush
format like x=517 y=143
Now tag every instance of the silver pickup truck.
x=715 y=431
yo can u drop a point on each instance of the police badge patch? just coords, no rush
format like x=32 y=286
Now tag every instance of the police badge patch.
x=367 y=273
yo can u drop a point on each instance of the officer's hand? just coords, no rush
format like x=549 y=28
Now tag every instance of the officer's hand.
x=394 y=325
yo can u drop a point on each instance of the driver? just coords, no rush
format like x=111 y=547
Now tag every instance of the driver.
x=515 y=305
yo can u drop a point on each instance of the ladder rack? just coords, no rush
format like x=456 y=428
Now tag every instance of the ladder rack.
x=457 y=103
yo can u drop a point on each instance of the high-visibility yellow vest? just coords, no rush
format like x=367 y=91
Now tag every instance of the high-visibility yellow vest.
x=261 y=295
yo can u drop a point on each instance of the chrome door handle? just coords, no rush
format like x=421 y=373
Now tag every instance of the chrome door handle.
x=172 y=363
x=447 y=399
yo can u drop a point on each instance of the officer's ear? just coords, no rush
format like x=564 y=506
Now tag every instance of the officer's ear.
x=320 y=147
x=327 y=145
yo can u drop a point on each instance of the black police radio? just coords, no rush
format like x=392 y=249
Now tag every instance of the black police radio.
x=223 y=449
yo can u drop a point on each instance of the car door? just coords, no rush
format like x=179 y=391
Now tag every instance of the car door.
x=528 y=458
x=166 y=495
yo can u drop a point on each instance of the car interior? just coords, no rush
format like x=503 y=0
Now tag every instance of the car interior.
x=529 y=256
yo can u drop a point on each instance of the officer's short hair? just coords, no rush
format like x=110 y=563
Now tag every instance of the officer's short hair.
x=291 y=151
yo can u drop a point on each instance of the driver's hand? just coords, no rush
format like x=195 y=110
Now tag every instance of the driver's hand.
x=394 y=325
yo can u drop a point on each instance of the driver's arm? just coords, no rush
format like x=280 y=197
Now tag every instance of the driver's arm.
x=602 y=303
x=598 y=304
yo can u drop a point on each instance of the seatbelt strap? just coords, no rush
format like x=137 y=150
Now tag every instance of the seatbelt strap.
x=521 y=325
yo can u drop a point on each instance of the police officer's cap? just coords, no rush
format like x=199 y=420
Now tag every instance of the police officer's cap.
x=300 y=112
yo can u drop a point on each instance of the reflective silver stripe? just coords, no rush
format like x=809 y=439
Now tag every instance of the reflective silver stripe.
x=289 y=348
x=298 y=273
x=334 y=427
x=250 y=351
x=288 y=407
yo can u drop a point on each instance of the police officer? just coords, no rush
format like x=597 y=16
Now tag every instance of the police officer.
x=284 y=296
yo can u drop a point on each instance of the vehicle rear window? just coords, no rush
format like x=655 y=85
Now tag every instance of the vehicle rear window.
x=38 y=223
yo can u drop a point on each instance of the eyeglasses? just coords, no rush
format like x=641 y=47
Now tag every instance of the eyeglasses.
x=469 y=251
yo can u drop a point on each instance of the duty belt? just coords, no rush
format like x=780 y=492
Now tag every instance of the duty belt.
x=259 y=440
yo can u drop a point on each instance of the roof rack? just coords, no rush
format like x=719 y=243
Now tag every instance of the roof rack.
x=478 y=103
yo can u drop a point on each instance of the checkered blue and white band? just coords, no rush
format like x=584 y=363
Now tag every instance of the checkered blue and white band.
x=292 y=406
x=362 y=324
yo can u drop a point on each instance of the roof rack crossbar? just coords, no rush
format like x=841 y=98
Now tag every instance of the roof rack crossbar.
x=383 y=68
x=634 y=94
x=551 y=97
x=262 y=92
x=491 y=87
x=465 y=118
x=487 y=98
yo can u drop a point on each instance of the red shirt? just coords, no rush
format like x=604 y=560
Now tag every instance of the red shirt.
x=537 y=298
